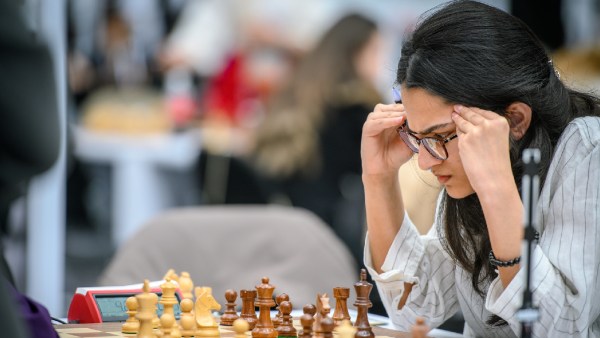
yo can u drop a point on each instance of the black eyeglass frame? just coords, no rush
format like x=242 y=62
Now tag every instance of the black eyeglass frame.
x=405 y=134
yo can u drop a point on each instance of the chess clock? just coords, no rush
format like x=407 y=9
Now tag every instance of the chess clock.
x=107 y=304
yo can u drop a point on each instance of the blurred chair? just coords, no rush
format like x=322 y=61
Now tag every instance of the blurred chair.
x=233 y=247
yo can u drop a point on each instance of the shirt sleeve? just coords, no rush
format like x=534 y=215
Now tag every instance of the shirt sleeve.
x=422 y=261
x=565 y=283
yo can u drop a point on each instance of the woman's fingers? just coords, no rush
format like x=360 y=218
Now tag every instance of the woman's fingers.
x=462 y=125
x=471 y=114
x=374 y=126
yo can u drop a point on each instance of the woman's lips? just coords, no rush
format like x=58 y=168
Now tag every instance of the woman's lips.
x=443 y=178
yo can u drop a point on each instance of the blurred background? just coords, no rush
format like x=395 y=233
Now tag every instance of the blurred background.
x=172 y=103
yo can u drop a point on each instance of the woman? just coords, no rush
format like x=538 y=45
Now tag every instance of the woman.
x=477 y=89
x=310 y=140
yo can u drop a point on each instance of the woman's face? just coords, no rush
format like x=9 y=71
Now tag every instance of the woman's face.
x=429 y=115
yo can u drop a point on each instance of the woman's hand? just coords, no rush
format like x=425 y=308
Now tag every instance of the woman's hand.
x=382 y=150
x=483 y=144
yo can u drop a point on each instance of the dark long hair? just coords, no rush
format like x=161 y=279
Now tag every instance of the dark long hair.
x=477 y=55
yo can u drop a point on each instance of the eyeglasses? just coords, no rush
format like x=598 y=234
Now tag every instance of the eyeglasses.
x=434 y=145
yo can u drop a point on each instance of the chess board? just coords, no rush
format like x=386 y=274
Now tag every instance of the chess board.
x=112 y=330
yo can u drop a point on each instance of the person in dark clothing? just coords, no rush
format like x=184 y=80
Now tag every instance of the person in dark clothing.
x=29 y=145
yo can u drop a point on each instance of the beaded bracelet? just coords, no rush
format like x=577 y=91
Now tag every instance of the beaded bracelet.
x=503 y=264
x=512 y=262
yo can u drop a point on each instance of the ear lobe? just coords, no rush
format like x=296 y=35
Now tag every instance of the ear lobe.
x=518 y=115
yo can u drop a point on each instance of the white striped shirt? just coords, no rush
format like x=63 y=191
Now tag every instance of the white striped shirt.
x=566 y=262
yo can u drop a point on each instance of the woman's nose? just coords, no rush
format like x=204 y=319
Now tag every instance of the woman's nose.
x=426 y=160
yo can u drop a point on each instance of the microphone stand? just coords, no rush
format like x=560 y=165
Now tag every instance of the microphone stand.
x=528 y=314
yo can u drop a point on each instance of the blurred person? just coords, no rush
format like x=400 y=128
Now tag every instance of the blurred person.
x=242 y=52
x=115 y=42
x=29 y=145
x=308 y=145
x=478 y=88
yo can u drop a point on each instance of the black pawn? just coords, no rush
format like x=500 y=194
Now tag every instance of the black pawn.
x=307 y=321
x=230 y=315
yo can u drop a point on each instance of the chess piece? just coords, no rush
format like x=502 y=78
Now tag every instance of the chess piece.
x=168 y=299
x=286 y=327
x=186 y=318
x=155 y=319
x=420 y=329
x=309 y=309
x=264 y=327
x=307 y=321
x=230 y=315
x=240 y=326
x=186 y=285
x=327 y=325
x=363 y=303
x=279 y=299
x=323 y=310
x=207 y=325
x=248 y=309
x=168 y=326
x=146 y=311
x=341 y=305
x=171 y=275
x=346 y=330
x=131 y=325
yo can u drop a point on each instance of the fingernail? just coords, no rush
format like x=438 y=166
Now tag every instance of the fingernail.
x=458 y=108
x=454 y=114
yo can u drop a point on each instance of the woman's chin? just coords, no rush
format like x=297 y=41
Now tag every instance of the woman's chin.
x=458 y=193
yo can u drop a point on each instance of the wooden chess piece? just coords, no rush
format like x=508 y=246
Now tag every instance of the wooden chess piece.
x=240 y=326
x=248 y=309
x=168 y=326
x=341 y=305
x=131 y=325
x=323 y=310
x=230 y=315
x=279 y=299
x=207 y=325
x=307 y=321
x=186 y=319
x=327 y=325
x=146 y=311
x=363 y=303
x=264 y=327
x=286 y=327
x=155 y=319
x=346 y=330
x=420 y=329
x=171 y=275
x=186 y=285
x=309 y=309
x=168 y=299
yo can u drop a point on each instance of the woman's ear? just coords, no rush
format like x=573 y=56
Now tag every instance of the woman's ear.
x=518 y=115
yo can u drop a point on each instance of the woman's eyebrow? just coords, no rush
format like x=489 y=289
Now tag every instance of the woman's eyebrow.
x=430 y=129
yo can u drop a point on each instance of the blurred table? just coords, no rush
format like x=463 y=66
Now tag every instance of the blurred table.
x=138 y=189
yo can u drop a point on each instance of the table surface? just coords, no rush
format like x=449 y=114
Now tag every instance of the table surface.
x=106 y=330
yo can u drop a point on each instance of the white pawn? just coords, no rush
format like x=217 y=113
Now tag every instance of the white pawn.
x=131 y=325
x=240 y=326
x=346 y=330
x=168 y=325
x=187 y=319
